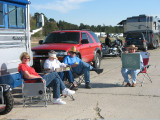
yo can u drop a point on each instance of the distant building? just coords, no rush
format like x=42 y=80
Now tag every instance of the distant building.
x=100 y=34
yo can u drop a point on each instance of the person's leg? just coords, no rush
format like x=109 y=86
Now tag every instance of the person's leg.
x=61 y=74
x=69 y=76
x=86 y=65
x=134 y=75
x=83 y=68
x=62 y=85
x=86 y=75
x=52 y=81
x=125 y=73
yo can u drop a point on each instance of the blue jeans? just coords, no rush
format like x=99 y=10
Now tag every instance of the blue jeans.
x=67 y=74
x=125 y=72
x=53 y=80
x=83 y=68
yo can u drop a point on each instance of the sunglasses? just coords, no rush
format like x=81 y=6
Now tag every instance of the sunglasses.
x=132 y=49
x=72 y=52
x=26 y=58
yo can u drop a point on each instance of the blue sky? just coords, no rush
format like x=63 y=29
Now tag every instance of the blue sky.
x=94 y=12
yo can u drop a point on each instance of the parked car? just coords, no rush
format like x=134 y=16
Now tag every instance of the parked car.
x=86 y=42
x=138 y=39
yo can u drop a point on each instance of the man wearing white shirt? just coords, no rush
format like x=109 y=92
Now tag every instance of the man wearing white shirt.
x=52 y=63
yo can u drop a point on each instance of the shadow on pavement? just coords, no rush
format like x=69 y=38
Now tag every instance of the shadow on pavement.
x=102 y=85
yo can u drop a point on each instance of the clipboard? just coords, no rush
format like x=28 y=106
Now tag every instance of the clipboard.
x=131 y=60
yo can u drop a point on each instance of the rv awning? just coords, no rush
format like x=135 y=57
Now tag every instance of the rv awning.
x=122 y=22
x=18 y=1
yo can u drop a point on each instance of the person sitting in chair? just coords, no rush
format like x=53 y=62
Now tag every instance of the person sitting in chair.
x=52 y=63
x=52 y=79
x=133 y=72
x=80 y=67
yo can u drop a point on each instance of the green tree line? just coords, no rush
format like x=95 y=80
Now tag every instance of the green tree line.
x=51 y=25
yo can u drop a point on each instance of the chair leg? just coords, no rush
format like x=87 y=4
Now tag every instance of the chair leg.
x=45 y=97
x=24 y=101
x=148 y=77
x=71 y=96
x=145 y=75
x=81 y=79
x=49 y=94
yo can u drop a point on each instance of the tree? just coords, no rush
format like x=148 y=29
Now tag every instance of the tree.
x=52 y=25
x=49 y=27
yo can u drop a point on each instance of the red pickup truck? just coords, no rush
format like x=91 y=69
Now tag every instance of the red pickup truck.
x=85 y=41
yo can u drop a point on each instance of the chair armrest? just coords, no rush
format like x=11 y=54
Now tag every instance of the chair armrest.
x=147 y=66
x=36 y=80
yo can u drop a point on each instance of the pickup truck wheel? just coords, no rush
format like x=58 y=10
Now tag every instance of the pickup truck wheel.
x=97 y=61
x=8 y=101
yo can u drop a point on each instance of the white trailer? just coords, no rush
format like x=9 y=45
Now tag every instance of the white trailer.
x=14 y=39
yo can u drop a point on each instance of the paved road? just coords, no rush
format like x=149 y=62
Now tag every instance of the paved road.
x=107 y=99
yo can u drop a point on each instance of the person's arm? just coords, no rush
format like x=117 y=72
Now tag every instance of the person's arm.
x=75 y=64
x=78 y=60
x=61 y=64
x=27 y=75
x=141 y=62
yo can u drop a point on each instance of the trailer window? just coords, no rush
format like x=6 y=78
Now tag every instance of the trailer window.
x=20 y=16
x=12 y=15
x=16 y=16
x=1 y=14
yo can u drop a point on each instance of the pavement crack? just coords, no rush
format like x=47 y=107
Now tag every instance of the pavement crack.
x=98 y=110
x=141 y=95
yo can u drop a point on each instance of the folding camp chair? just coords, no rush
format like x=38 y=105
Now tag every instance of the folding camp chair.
x=79 y=78
x=34 y=91
x=145 y=56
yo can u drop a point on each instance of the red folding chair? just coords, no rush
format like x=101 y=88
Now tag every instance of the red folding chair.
x=145 y=56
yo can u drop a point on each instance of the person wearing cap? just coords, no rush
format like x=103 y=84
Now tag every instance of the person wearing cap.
x=133 y=72
x=80 y=67
x=52 y=63
x=52 y=79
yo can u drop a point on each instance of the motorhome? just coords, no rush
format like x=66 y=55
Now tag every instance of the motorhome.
x=149 y=26
x=14 y=38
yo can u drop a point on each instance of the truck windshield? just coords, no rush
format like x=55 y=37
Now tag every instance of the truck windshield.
x=63 y=37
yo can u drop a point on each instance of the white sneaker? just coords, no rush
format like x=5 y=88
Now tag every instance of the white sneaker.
x=58 y=101
x=67 y=92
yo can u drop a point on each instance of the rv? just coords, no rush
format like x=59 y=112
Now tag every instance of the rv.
x=148 y=26
x=14 y=38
